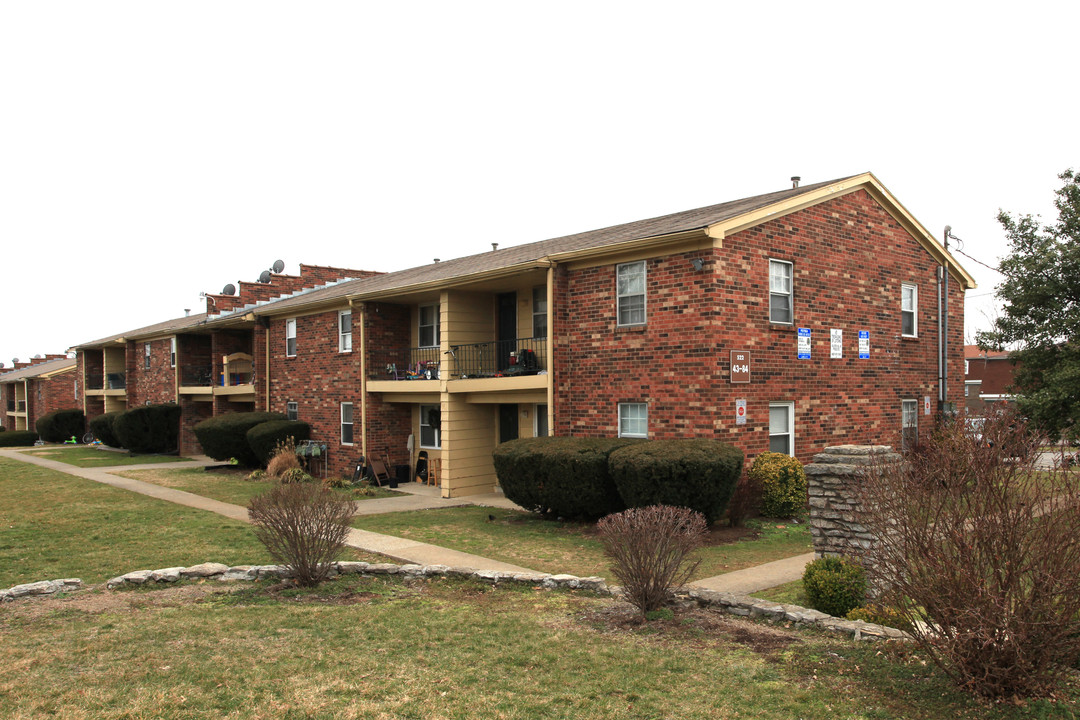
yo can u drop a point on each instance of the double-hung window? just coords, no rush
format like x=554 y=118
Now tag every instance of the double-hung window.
x=146 y=356
x=630 y=290
x=429 y=326
x=172 y=351
x=346 y=423
x=909 y=424
x=292 y=410
x=634 y=420
x=909 y=310
x=780 y=305
x=782 y=428
x=429 y=426
x=290 y=337
x=539 y=312
x=345 y=331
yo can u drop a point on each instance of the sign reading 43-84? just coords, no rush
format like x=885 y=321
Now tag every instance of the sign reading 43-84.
x=740 y=366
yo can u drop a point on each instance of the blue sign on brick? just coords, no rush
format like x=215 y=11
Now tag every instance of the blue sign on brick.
x=864 y=344
x=804 y=343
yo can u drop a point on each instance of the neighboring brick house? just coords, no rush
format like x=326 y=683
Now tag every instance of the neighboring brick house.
x=988 y=379
x=36 y=388
x=630 y=330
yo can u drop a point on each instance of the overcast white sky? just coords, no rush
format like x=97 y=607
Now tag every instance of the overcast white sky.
x=150 y=151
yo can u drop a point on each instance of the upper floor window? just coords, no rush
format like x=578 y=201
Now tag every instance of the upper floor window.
x=630 y=290
x=539 y=312
x=429 y=326
x=345 y=331
x=909 y=310
x=780 y=305
x=634 y=420
x=146 y=356
x=172 y=351
x=290 y=337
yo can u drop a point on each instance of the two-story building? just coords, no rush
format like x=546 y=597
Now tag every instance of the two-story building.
x=35 y=388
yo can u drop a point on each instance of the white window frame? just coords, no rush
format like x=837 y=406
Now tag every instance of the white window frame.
x=620 y=296
x=292 y=410
x=437 y=431
x=172 y=351
x=539 y=295
x=789 y=408
x=146 y=356
x=779 y=290
x=913 y=310
x=420 y=326
x=908 y=420
x=625 y=410
x=537 y=410
x=349 y=424
x=344 y=338
x=290 y=337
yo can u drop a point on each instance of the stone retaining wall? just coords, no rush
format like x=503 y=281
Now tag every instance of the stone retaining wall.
x=730 y=603
x=832 y=483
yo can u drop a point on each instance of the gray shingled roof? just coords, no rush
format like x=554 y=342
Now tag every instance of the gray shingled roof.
x=180 y=323
x=44 y=368
x=531 y=252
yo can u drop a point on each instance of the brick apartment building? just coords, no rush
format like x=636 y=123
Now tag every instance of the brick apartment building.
x=32 y=389
x=988 y=379
x=792 y=320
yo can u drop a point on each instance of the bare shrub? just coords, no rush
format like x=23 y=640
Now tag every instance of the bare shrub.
x=304 y=526
x=746 y=500
x=650 y=549
x=283 y=458
x=980 y=554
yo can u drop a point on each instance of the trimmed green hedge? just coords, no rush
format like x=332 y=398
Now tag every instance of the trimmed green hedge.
x=149 y=428
x=18 y=438
x=563 y=476
x=783 y=484
x=102 y=427
x=834 y=585
x=264 y=437
x=225 y=436
x=61 y=425
x=697 y=473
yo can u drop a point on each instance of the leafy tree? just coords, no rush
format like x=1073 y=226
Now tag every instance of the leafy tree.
x=1041 y=294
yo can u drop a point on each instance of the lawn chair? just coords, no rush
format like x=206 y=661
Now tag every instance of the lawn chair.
x=379 y=471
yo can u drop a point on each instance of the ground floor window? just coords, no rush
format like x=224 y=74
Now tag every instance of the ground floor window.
x=346 y=423
x=782 y=428
x=909 y=424
x=634 y=420
x=291 y=410
x=430 y=424
x=540 y=423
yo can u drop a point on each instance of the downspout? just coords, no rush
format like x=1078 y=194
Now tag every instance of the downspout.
x=551 y=347
x=26 y=403
x=940 y=350
x=363 y=377
x=945 y=326
x=266 y=371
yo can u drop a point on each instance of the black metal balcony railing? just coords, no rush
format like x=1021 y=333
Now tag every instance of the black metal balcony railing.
x=95 y=382
x=422 y=363
x=198 y=375
x=116 y=381
x=20 y=406
x=499 y=358
x=11 y=406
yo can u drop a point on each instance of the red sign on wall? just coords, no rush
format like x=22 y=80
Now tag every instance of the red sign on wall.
x=740 y=366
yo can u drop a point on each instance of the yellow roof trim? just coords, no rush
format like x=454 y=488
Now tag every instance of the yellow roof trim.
x=879 y=192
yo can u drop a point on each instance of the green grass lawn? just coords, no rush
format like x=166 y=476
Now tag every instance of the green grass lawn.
x=92 y=457
x=375 y=648
x=226 y=485
x=791 y=593
x=528 y=540
x=54 y=525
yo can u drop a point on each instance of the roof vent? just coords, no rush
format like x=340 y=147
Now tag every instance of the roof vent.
x=795 y=181
x=494 y=247
x=187 y=312
x=436 y=259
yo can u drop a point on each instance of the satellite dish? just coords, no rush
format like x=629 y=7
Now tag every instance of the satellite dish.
x=264 y=277
x=14 y=361
x=229 y=289
x=1 y=366
x=38 y=356
x=278 y=266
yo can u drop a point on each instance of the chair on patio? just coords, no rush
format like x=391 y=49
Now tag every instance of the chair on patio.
x=379 y=471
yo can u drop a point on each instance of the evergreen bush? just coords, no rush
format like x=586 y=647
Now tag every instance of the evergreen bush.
x=263 y=438
x=564 y=476
x=225 y=436
x=61 y=425
x=834 y=585
x=149 y=428
x=695 y=473
x=102 y=427
x=783 y=484
x=18 y=438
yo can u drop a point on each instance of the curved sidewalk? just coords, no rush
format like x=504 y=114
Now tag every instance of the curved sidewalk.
x=400 y=549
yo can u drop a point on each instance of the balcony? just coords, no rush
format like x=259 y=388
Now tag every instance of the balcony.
x=419 y=363
x=95 y=382
x=499 y=366
x=197 y=375
x=116 y=381
x=11 y=406
x=497 y=359
x=20 y=406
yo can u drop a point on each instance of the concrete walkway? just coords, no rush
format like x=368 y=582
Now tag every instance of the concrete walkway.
x=417 y=497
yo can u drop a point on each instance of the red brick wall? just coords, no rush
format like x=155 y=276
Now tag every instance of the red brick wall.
x=387 y=327
x=850 y=258
x=54 y=393
x=155 y=385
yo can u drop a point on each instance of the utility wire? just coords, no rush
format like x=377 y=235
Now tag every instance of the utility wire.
x=988 y=267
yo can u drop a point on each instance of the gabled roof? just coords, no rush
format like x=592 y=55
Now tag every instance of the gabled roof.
x=714 y=220
x=42 y=369
x=162 y=328
x=974 y=352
